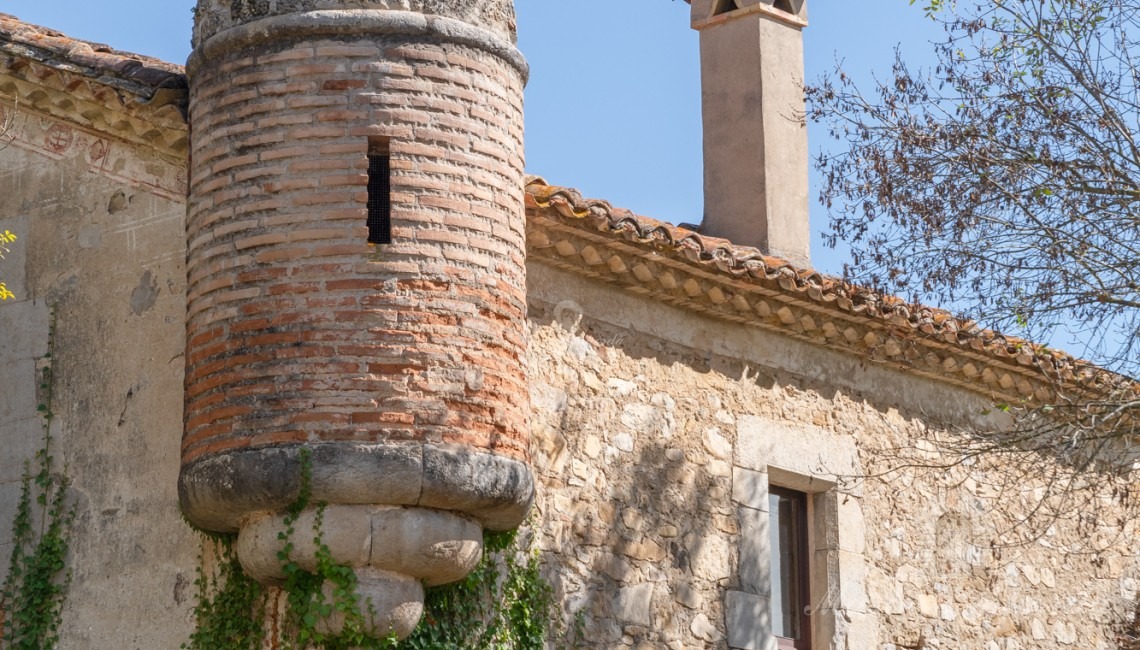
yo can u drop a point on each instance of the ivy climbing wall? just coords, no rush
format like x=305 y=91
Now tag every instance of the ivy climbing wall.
x=103 y=245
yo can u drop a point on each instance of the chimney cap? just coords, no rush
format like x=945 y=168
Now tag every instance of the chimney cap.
x=707 y=12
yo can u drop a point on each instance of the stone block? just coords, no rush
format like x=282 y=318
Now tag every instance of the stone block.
x=703 y=629
x=827 y=627
x=434 y=546
x=395 y=603
x=615 y=566
x=885 y=593
x=1064 y=632
x=217 y=492
x=927 y=605
x=862 y=631
x=709 y=556
x=9 y=502
x=646 y=550
x=853 y=581
x=748 y=621
x=750 y=488
x=634 y=604
x=755 y=553
x=345 y=530
x=496 y=490
x=800 y=457
x=22 y=439
x=837 y=522
x=716 y=444
x=688 y=596
x=25 y=325
x=20 y=380
x=842 y=576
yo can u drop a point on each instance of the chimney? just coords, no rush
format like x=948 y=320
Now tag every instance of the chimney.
x=755 y=140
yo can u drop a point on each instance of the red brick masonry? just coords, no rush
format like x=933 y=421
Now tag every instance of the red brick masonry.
x=298 y=330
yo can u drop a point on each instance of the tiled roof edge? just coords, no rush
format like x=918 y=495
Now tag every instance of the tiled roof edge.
x=742 y=284
x=138 y=75
x=133 y=98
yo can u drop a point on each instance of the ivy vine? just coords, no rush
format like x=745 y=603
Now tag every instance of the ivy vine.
x=504 y=604
x=230 y=611
x=308 y=606
x=31 y=598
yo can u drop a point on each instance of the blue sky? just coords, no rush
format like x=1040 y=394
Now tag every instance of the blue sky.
x=613 y=105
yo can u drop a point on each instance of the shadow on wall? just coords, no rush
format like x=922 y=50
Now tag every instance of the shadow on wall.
x=633 y=443
x=632 y=448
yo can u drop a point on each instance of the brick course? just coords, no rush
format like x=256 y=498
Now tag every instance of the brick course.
x=298 y=330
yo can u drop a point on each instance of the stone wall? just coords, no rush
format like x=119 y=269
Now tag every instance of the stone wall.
x=101 y=242
x=656 y=430
x=656 y=434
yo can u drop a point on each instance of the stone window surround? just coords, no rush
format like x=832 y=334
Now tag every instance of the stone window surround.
x=811 y=460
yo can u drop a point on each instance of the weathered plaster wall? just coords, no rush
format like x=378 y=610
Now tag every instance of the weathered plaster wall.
x=101 y=242
x=656 y=433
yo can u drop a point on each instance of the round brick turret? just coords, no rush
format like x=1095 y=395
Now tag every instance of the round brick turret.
x=356 y=297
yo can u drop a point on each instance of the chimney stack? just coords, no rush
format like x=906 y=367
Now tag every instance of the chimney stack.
x=755 y=139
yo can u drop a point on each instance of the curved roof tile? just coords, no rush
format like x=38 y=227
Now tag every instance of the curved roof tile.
x=892 y=317
x=142 y=76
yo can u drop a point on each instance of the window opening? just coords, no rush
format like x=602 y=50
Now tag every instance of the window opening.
x=788 y=537
x=379 y=192
x=724 y=6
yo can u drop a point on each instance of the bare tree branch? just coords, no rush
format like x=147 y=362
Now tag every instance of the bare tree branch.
x=1005 y=183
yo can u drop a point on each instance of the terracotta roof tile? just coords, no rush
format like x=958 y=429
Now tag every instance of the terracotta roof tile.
x=827 y=310
x=139 y=75
x=133 y=98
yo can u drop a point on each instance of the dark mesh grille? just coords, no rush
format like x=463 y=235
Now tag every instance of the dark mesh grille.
x=379 y=199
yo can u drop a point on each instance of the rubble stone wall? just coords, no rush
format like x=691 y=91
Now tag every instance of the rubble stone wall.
x=656 y=433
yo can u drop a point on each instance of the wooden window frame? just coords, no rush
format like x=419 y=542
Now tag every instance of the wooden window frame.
x=803 y=576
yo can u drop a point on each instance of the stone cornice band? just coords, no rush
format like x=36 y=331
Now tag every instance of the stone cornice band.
x=341 y=22
x=711 y=276
x=495 y=490
x=90 y=104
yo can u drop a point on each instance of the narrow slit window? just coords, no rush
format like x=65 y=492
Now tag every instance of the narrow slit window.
x=379 y=192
